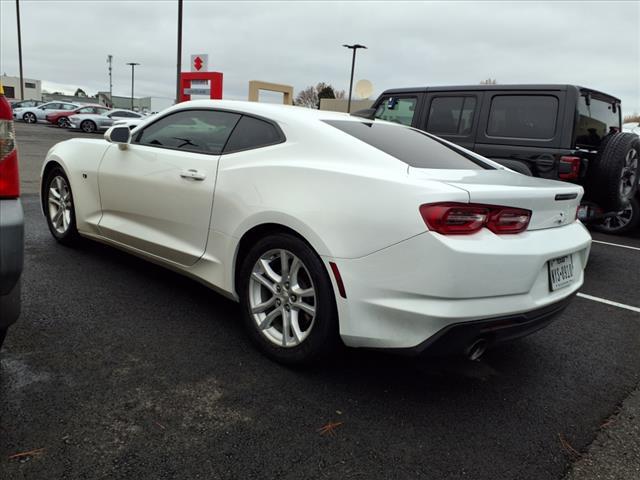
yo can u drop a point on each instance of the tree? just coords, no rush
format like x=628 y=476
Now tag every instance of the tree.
x=79 y=93
x=310 y=96
x=489 y=81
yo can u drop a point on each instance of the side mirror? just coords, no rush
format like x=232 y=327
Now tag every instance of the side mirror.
x=119 y=135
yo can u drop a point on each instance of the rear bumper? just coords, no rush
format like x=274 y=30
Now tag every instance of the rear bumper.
x=406 y=294
x=457 y=338
x=11 y=259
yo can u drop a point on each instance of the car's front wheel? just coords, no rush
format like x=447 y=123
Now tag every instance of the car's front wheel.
x=59 y=210
x=63 y=122
x=29 y=117
x=287 y=300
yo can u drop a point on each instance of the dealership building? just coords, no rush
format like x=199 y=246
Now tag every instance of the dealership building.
x=32 y=88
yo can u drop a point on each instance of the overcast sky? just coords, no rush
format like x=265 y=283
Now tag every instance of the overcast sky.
x=65 y=43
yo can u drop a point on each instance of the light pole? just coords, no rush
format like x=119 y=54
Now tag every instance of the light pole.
x=179 y=66
x=20 y=50
x=109 y=61
x=133 y=67
x=353 y=47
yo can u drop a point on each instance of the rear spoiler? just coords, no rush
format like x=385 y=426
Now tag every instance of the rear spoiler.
x=367 y=113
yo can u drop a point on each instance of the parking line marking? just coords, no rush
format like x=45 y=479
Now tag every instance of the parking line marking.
x=616 y=245
x=609 y=302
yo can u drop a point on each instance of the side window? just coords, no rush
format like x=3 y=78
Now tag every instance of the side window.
x=201 y=131
x=451 y=115
x=523 y=116
x=252 y=133
x=86 y=110
x=397 y=109
x=68 y=106
x=101 y=110
x=53 y=106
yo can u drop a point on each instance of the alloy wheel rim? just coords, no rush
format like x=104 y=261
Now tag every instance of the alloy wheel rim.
x=282 y=298
x=619 y=220
x=29 y=118
x=629 y=176
x=87 y=127
x=60 y=204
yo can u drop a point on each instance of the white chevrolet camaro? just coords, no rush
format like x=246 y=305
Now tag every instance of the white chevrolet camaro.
x=327 y=227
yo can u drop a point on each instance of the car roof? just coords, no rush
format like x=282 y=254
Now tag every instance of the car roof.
x=273 y=111
x=478 y=88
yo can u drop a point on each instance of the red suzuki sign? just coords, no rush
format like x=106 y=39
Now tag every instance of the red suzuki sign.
x=199 y=62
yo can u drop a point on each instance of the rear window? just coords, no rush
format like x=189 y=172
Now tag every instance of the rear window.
x=411 y=146
x=523 y=116
x=595 y=121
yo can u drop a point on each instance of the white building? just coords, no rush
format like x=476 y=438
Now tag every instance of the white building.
x=32 y=88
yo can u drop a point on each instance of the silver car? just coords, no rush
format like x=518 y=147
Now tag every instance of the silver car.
x=91 y=122
x=39 y=113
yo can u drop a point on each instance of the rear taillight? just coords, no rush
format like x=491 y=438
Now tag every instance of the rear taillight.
x=466 y=218
x=9 y=179
x=569 y=168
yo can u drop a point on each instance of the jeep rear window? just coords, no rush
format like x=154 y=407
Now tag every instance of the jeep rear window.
x=523 y=116
x=595 y=121
x=413 y=147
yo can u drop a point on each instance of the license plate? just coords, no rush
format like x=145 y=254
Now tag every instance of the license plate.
x=561 y=272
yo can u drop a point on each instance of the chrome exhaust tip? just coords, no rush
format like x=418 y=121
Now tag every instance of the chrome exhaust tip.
x=477 y=349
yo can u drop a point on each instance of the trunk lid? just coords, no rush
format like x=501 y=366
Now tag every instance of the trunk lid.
x=552 y=203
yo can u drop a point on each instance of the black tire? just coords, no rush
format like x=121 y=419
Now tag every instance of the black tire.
x=70 y=234
x=322 y=339
x=29 y=118
x=3 y=335
x=88 y=126
x=610 y=171
x=63 y=122
x=625 y=220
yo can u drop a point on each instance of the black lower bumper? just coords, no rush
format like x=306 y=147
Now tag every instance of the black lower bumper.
x=457 y=338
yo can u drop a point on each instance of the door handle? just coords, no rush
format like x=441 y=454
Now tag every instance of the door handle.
x=193 y=174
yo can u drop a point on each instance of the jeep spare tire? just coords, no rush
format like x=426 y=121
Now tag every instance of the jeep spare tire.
x=613 y=177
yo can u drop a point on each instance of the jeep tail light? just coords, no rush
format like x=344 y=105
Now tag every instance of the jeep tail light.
x=9 y=179
x=569 y=168
x=465 y=218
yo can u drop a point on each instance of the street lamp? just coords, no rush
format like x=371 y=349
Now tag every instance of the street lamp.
x=353 y=47
x=133 y=67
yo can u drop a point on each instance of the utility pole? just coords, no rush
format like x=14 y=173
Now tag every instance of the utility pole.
x=353 y=66
x=20 y=50
x=179 y=56
x=109 y=61
x=133 y=67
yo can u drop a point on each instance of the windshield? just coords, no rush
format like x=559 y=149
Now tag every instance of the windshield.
x=413 y=147
x=596 y=119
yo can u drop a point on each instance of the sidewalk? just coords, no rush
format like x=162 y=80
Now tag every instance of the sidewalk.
x=615 y=453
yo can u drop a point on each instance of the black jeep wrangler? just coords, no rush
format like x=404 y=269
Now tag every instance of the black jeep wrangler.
x=561 y=132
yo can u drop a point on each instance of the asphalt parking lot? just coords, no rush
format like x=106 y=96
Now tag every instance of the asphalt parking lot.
x=122 y=369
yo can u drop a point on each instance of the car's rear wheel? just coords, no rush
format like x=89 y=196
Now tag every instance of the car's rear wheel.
x=29 y=117
x=287 y=300
x=88 y=126
x=63 y=122
x=59 y=210
x=624 y=221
